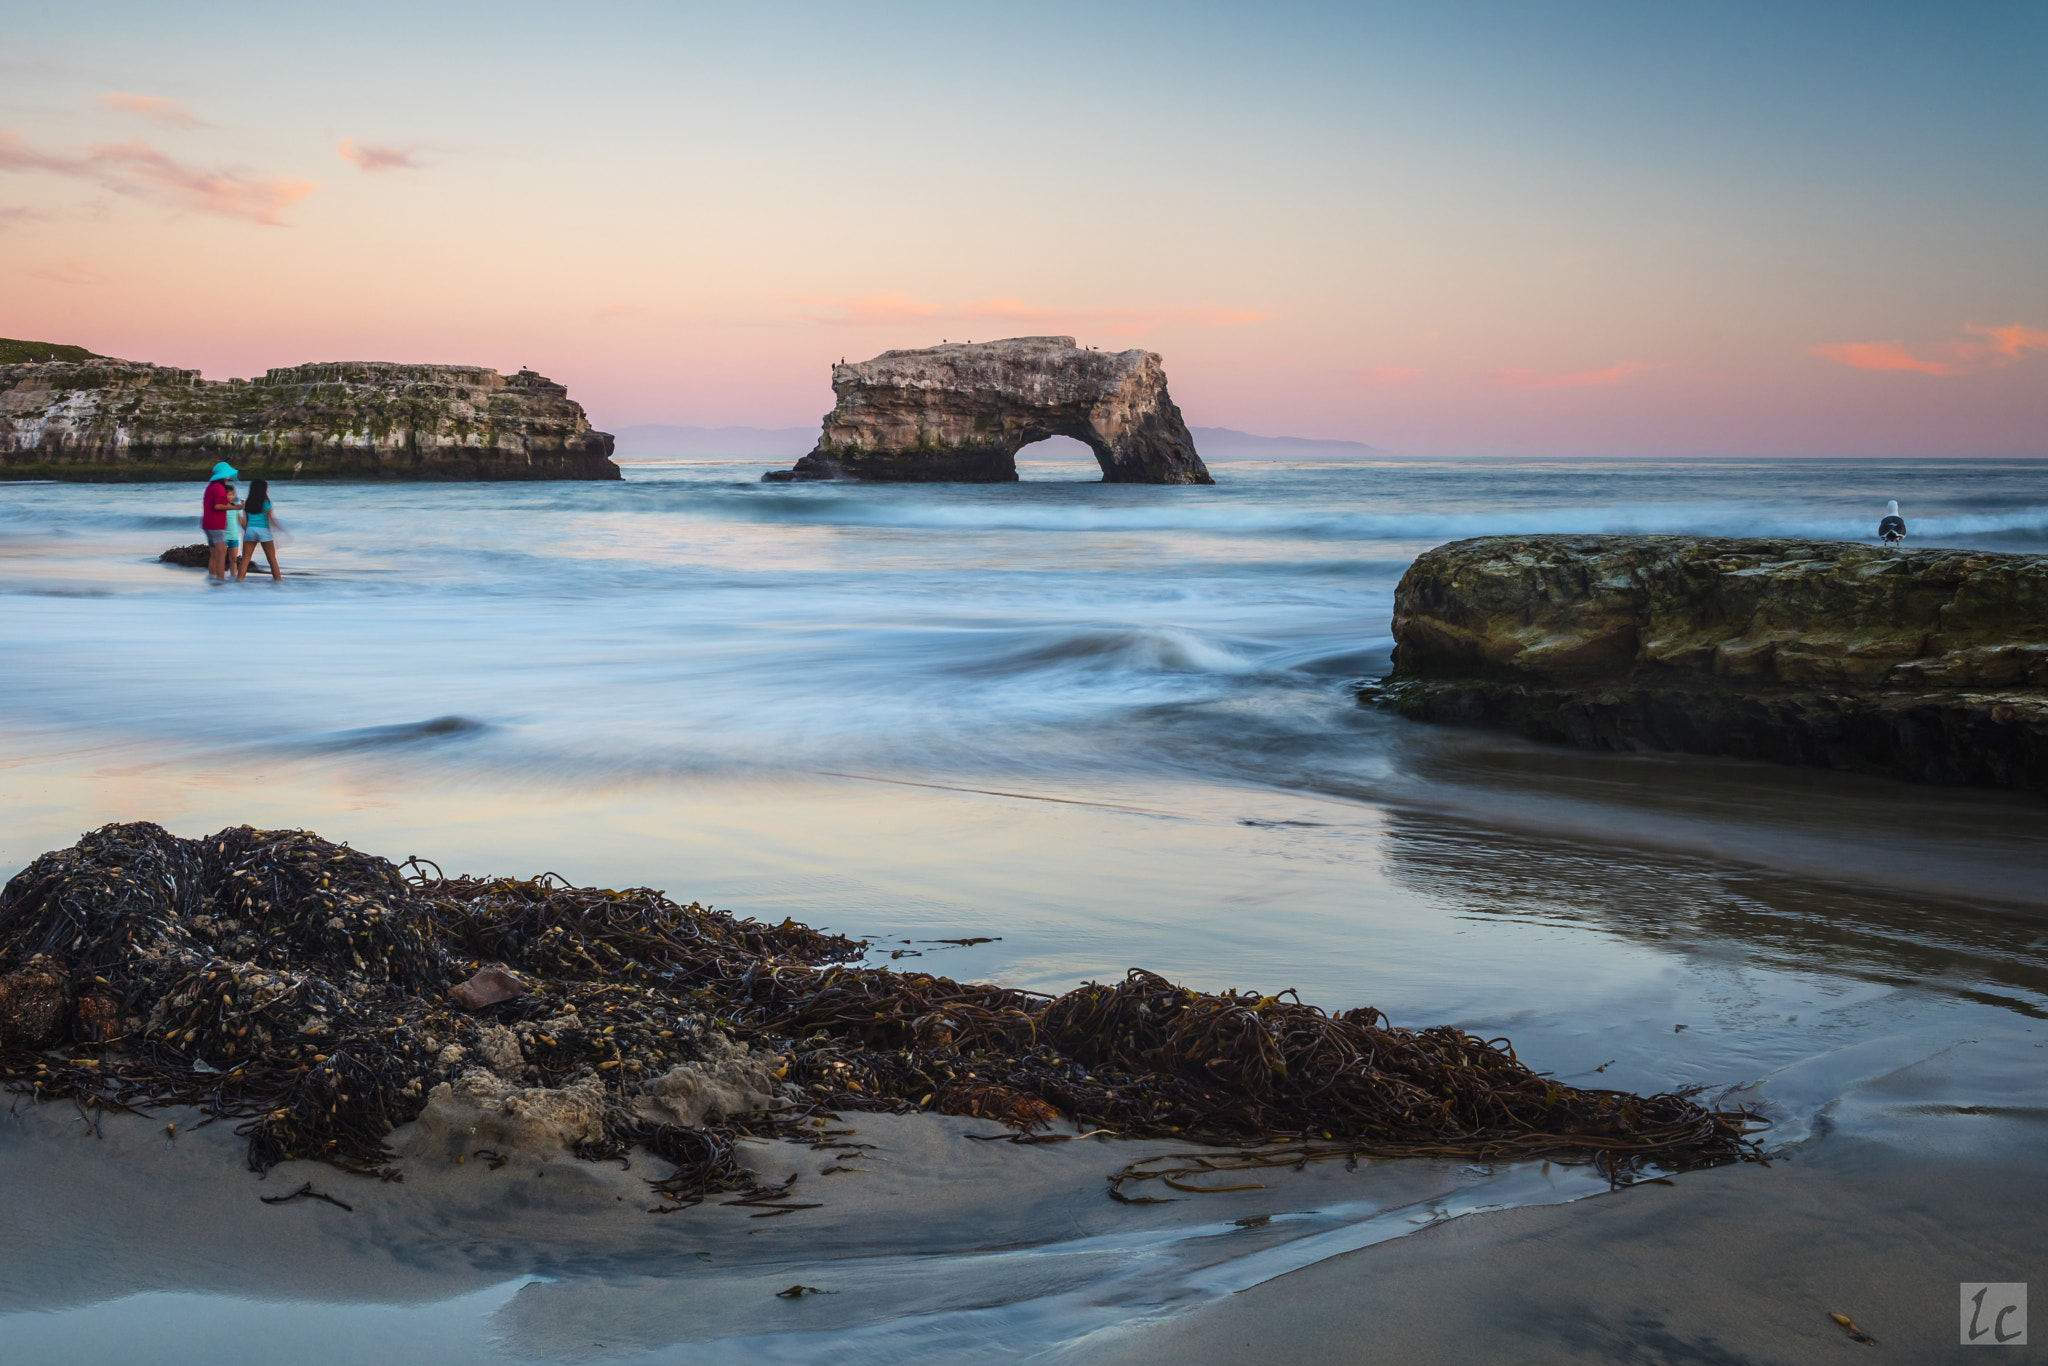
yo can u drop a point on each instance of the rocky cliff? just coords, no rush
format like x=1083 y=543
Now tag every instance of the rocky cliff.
x=962 y=412
x=1924 y=664
x=124 y=420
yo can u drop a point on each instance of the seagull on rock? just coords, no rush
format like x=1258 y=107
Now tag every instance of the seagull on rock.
x=1892 y=529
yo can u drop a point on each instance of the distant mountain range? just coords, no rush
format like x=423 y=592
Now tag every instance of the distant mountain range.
x=1225 y=443
x=660 y=441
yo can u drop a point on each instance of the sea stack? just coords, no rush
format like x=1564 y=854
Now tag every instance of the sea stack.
x=115 y=420
x=1925 y=664
x=961 y=412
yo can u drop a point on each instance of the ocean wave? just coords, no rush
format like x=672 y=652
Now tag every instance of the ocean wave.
x=1717 y=519
x=75 y=521
x=1143 y=649
x=403 y=735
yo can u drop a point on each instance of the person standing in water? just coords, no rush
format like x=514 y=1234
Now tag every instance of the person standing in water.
x=257 y=530
x=216 y=508
x=233 y=558
x=1892 y=529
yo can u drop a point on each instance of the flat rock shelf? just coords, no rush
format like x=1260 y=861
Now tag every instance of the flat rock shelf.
x=1928 y=664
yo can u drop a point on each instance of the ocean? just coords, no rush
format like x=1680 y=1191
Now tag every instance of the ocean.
x=1105 y=726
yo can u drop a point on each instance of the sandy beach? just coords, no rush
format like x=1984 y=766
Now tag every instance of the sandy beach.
x=932 y=1246
x=1727 y=1266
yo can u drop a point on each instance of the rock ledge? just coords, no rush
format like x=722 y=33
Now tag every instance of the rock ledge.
x=116 y=420
x=1926 y=664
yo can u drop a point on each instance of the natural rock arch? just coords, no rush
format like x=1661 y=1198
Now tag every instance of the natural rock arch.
x=961 y=412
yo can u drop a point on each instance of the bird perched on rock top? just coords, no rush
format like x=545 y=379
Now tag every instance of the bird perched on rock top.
x=1892 y=529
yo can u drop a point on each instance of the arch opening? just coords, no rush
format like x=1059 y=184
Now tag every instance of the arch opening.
x=1057 y=458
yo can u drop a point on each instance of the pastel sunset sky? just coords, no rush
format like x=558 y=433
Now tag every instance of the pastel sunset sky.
x=1445 y=228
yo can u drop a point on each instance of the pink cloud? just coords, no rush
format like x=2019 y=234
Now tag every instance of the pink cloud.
x=869 y=310
x=226 y=193
x=69 y=271
x=1880 y=356
x=1115 y=322
x=154 y=107
x=2001 y=347
x=17 y=155
x=898 y=307
x=369 y=157
x=1574 y=379
x=137 y=169
x=1220 y=317
x=2008 y=343
x=1007 y=310
x=1385 y=376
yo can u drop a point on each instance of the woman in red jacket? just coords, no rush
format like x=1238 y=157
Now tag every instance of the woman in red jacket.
x=215 y=508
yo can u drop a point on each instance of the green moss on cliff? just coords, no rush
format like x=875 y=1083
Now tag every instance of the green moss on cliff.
x=14 y=352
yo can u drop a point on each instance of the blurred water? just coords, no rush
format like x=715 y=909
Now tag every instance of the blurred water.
x=1110 y=724
x=693 y=619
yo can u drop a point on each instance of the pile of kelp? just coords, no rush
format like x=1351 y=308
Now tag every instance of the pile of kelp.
x=317 y=994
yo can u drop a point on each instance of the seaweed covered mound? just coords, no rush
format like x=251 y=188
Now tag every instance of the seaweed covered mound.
x=324 y=996
x=319 y=995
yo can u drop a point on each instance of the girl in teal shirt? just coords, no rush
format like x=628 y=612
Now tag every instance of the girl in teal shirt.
x=256 y=530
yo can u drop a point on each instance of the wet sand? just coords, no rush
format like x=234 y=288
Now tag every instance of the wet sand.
x=1728 y=1266
x=1894 y=1038
x=924 y=1239
x=931 y=1246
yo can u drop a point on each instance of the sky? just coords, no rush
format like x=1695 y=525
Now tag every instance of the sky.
x=1442 y=228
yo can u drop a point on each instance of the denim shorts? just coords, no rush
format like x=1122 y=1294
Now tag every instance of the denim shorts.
x=215 y=535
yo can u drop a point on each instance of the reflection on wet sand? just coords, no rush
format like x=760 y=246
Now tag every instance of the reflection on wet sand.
x=1835 y=827
x=1984 y=952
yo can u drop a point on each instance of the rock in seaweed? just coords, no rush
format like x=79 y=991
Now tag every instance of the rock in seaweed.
x=489 y=985
x=730 y=1080
x=482 y=1110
